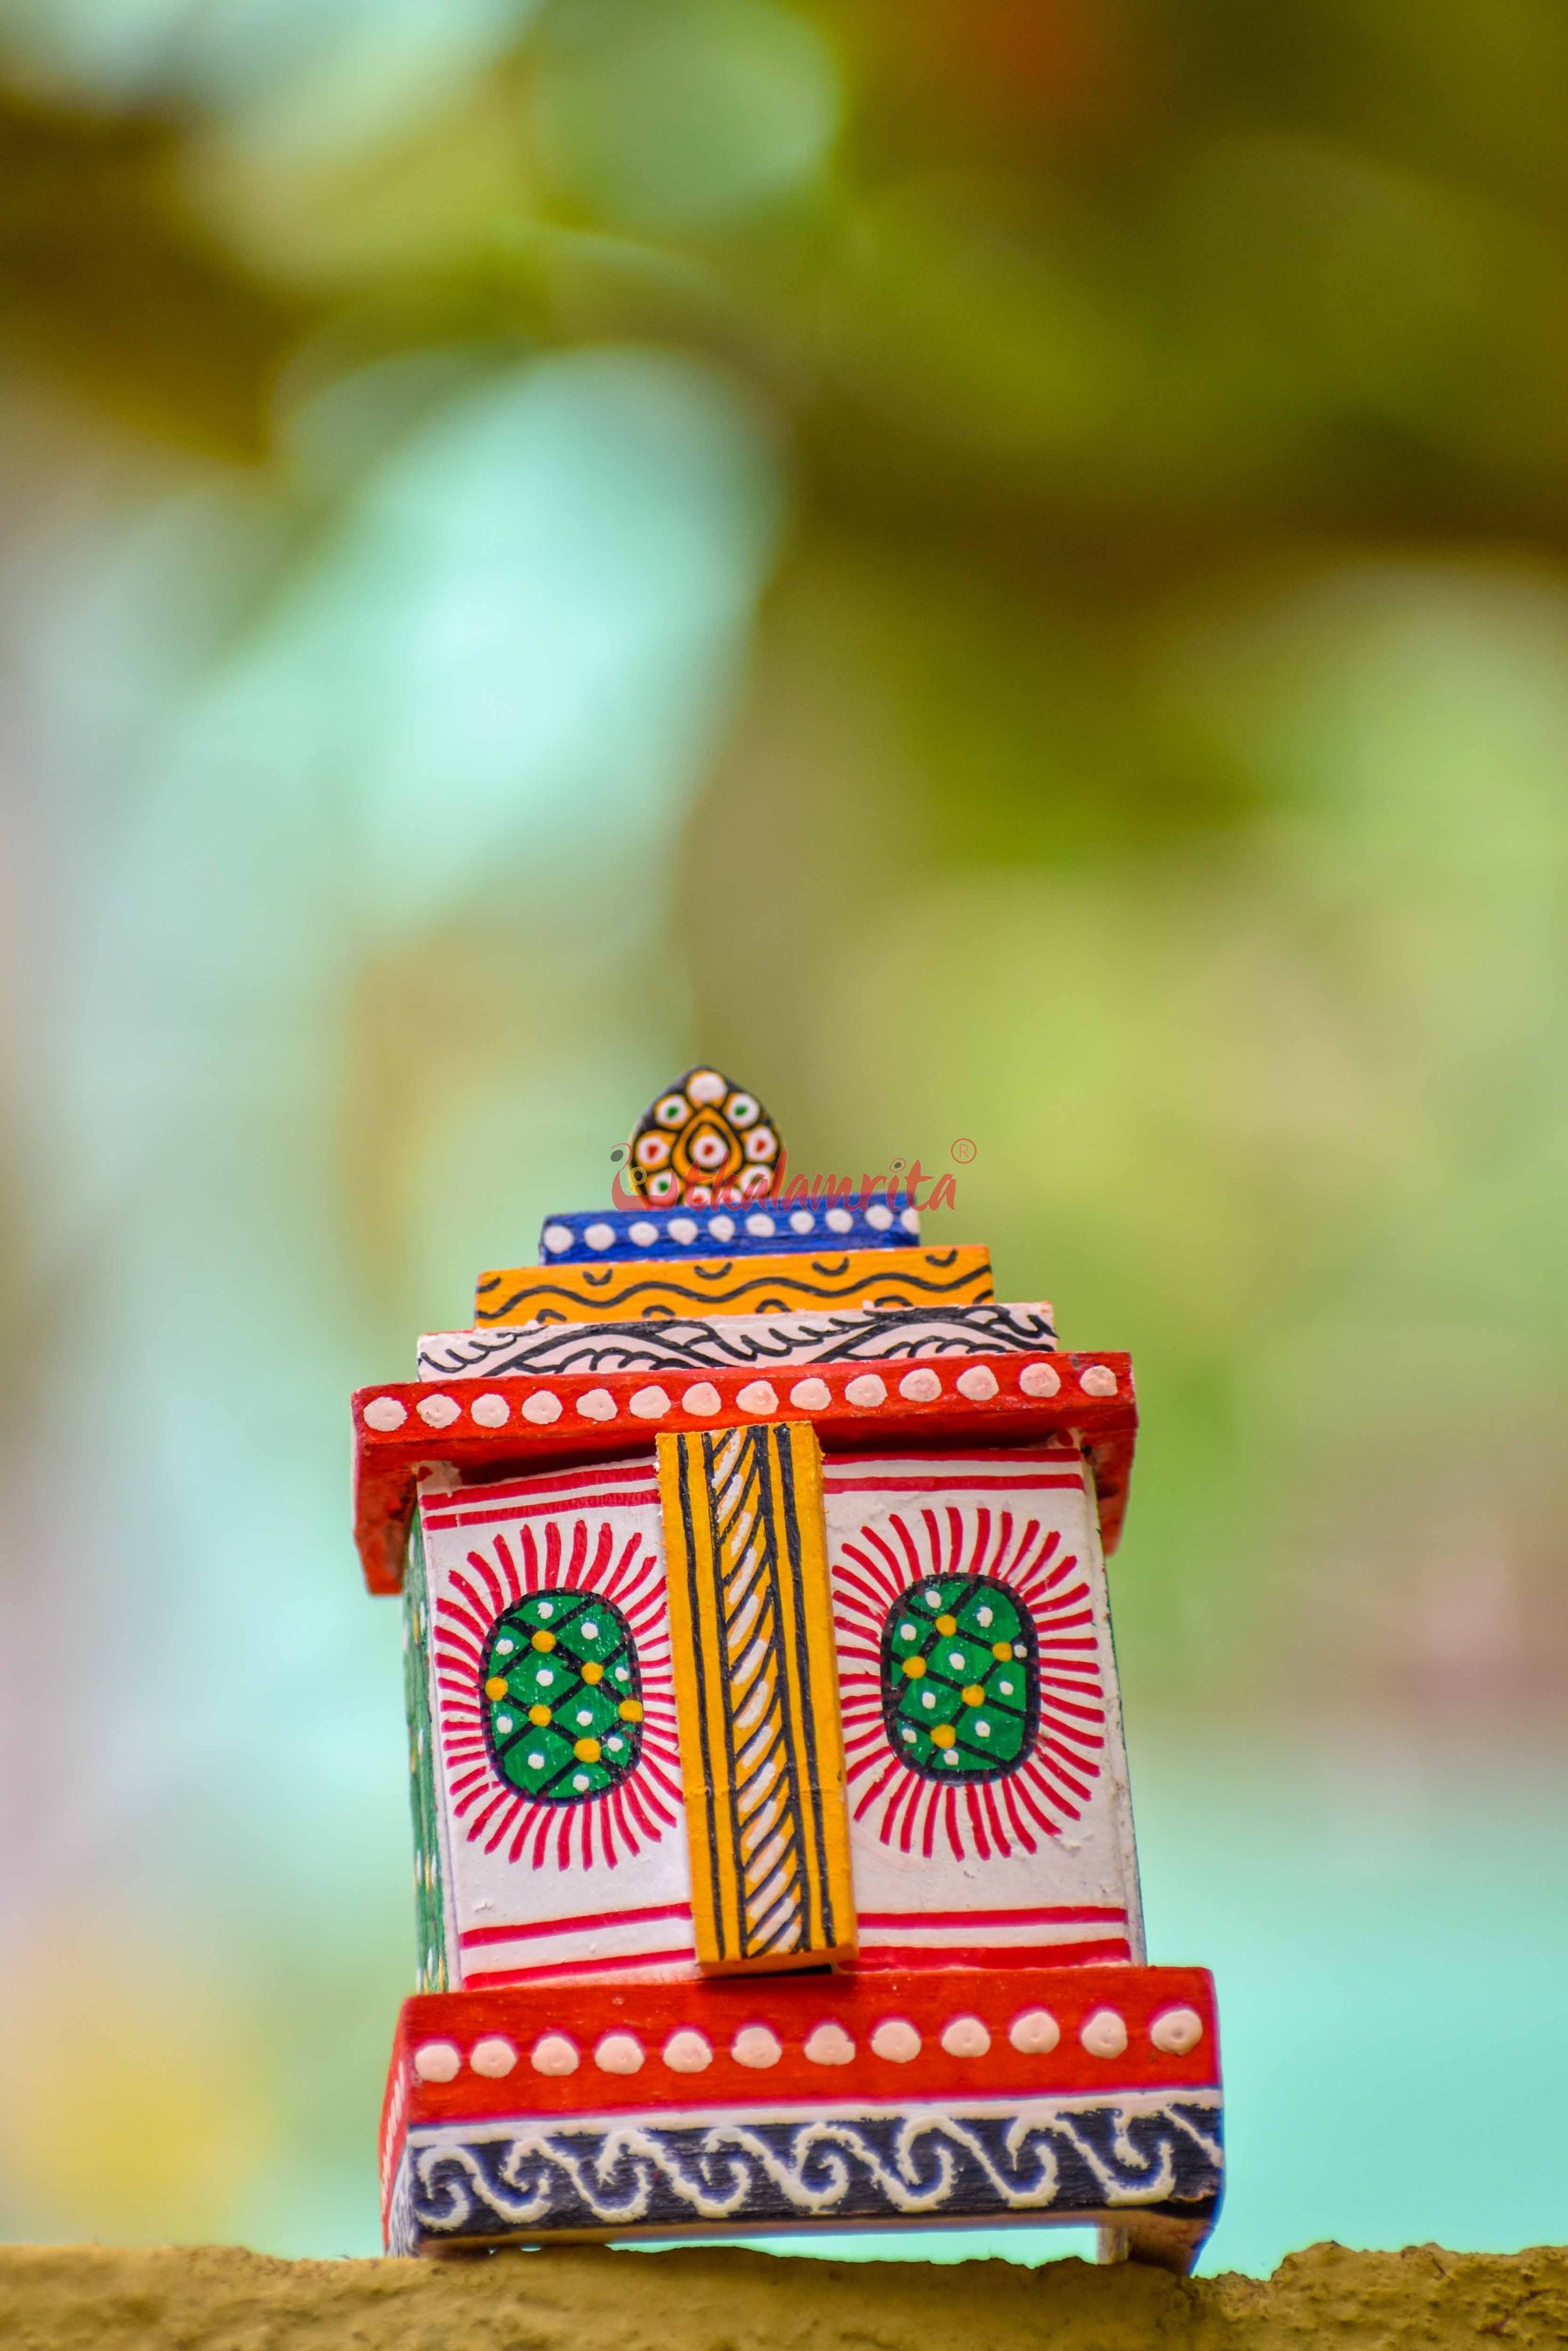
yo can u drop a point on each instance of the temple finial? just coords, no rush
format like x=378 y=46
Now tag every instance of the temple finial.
x=702 y=1139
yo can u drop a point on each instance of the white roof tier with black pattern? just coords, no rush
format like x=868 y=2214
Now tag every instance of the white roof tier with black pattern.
x=733 y=1342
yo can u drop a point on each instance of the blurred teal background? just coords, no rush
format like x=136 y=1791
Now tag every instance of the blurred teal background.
x=1000 y=570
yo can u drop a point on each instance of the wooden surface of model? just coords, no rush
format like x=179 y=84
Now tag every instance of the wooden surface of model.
x=774 y=1855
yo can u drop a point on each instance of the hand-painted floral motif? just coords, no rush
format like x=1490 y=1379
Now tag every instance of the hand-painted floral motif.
x=705 y=1140
x=579 y=1607
x=960 y=1681
x=972 y=1559
x=564 y=1697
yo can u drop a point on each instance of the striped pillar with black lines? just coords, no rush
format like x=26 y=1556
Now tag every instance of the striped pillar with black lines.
x=757 y=1697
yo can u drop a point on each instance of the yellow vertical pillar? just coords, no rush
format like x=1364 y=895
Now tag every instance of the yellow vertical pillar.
x=756 y=1696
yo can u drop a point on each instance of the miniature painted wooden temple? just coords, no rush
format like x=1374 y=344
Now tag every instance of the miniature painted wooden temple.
x=774 y=1858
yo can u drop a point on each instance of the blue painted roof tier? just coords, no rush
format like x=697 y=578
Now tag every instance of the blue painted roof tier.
x=749 y=1229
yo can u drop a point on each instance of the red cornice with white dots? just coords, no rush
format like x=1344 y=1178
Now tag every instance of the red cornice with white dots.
x=491 y=1424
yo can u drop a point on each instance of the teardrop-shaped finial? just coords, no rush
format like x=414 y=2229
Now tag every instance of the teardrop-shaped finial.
x=704 y=1138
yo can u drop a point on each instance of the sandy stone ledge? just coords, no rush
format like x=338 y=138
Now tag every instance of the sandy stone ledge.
x=213 y=2298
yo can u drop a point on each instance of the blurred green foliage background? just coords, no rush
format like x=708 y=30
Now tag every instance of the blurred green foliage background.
x=1000 y=570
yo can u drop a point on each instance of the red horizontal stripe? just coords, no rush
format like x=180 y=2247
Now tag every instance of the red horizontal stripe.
x=476 y=1511
x=617 y=1966
x=1064 y=1915
x=1043 y=1453
x=569 y=1925
x=1044 y=1450
x=626 y=1471
x=569 y=1481
x=515 y=1489
x=831 y=1485
x=480 y=1505
x=953 y=1472
x=874 y=1956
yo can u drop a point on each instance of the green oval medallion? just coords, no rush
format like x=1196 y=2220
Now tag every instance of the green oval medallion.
x=960 y=1679
x=562 y=1697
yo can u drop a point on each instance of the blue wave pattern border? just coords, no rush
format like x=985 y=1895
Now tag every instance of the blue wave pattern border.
x=1047 y=2160
x=734 y=1342
x=751 y=1229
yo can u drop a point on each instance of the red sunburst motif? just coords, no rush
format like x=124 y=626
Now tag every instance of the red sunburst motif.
x=576 y=1555
x=1053 y=1780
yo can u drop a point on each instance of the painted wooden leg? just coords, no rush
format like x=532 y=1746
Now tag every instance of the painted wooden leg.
x=1159 y=2239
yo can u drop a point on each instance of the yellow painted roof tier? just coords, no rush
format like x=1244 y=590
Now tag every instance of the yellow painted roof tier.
x=683 y=1287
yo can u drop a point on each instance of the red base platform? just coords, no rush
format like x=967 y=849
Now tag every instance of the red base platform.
x=1081 y=2095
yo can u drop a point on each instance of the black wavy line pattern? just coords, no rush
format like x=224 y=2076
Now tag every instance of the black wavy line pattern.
x=727 y=1284
x=458 y=2184
x=734 y=1342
